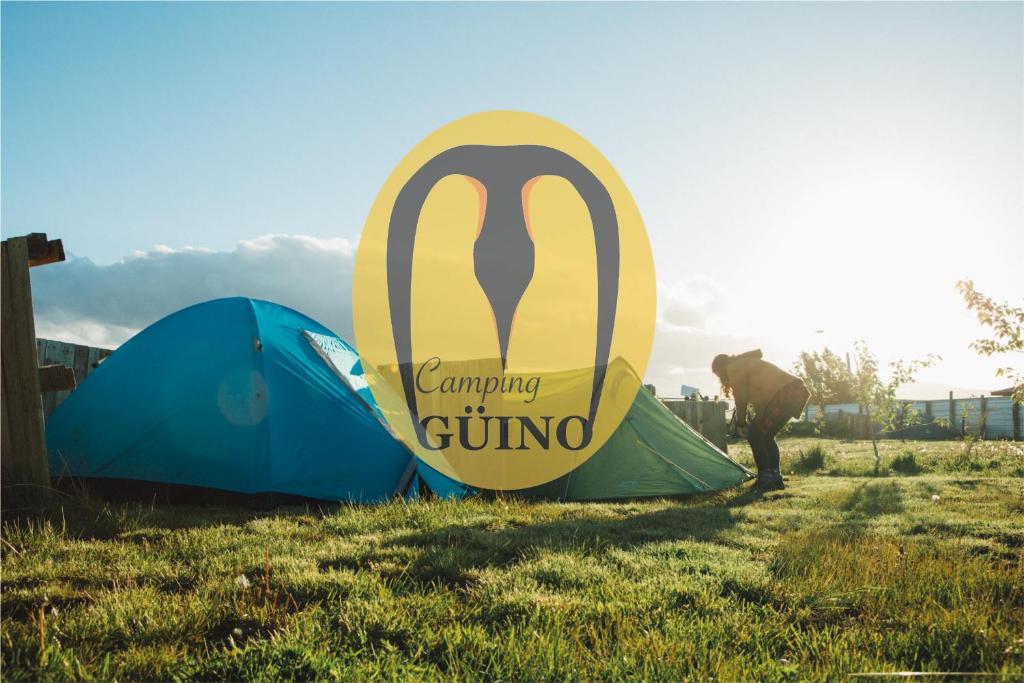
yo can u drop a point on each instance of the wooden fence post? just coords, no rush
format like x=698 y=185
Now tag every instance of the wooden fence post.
x=705 y=417
x=953 y=416
x=713 y=425
x=1016 y=421
x=23 y=461
x=860 y=427
x=983 y=419
x=82 y=360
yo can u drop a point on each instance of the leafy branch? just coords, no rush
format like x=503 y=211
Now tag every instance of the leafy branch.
x=1007 y=325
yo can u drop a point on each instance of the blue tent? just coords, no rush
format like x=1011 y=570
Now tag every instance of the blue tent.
x=238 y=395
x=251 y=397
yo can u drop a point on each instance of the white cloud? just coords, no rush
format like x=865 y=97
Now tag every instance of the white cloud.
x=683 y=356
x=104 y=305
x=68 y=327
x=695 y=303
x=692 y=328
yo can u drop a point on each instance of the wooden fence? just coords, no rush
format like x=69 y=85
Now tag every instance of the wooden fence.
x=23 y=466
x=707 y=417
x=83 y=359
x=988 y=417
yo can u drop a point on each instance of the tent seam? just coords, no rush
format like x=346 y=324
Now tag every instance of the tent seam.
x=258 y=365
x=686 y=473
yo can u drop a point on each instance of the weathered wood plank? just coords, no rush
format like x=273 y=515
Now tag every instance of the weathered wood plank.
x=81 y=365
x=45 y=350
x=706 y=417
x=860 y=427
x=24 y=464
x=83 y=360
x=96 y=356
x=65 y=355
x=6 y=443
x=42 y=251
x=56 y=378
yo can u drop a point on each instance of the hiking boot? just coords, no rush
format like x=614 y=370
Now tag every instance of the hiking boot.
x=773 y=473
x=770 y=481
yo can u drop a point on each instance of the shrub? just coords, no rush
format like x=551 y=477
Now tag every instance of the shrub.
x=968 y=458
x=811 y=460
x=906 y=463
x=801 y=428
x=836 y=426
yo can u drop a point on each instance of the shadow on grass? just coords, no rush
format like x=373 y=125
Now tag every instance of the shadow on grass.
x=87 y=513
x=874 y=499
x=452 y=552
x=84 y=516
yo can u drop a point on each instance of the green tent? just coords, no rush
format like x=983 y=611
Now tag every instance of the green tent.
x=652 y=453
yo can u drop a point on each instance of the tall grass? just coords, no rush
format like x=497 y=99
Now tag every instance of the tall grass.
x=906 y=463
x=810 y=460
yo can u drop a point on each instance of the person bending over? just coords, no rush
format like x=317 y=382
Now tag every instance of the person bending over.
x=776 y=396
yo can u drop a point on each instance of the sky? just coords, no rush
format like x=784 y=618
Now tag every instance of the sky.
x=808 y=173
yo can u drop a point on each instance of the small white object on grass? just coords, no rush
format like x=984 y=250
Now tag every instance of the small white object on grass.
x=242 y=581
x=935 y=498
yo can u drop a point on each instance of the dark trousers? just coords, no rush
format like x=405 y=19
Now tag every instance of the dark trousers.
x=765 y=448
x=788 y=402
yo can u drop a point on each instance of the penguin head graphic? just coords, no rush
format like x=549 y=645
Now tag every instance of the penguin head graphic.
x=498 y=423
x=504 y=251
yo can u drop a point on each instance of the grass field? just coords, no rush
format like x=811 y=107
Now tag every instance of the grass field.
x=916 y=569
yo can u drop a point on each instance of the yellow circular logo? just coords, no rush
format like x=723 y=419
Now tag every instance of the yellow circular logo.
x=504 y=300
